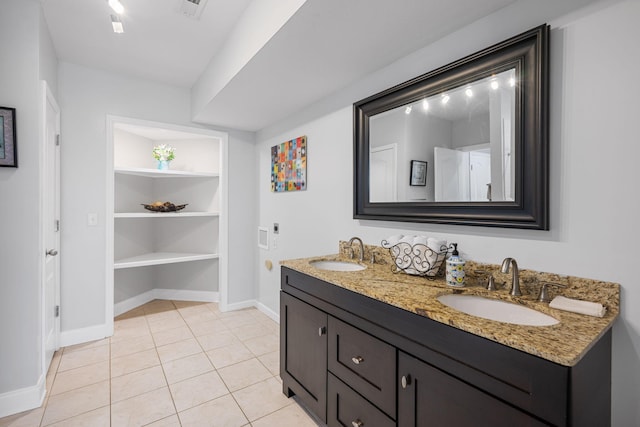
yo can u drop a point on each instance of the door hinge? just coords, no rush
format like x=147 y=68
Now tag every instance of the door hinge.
x=57 y=311
x=58 y=139
x=56 y=225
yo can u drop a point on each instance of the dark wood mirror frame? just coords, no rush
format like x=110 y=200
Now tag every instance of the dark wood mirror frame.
x=529 y=54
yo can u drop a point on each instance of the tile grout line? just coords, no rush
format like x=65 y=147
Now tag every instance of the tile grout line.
x=155 y=347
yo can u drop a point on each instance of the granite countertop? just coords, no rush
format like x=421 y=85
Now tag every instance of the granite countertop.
x=564 y=343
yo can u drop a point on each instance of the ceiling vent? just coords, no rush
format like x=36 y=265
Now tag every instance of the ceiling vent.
x=192 y=8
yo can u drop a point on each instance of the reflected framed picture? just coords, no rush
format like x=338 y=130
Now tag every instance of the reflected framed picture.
x=8 y=151
x=418 y=173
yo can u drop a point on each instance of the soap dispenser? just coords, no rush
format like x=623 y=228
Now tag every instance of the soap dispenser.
x=455 y=268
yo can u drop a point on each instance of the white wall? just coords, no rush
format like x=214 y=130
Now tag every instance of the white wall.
x=243 y=217
x=87 y=96
x=593 y=157
x=19 y=190
x=27 y=56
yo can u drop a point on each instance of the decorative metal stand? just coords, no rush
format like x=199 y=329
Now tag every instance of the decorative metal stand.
x=417 y=259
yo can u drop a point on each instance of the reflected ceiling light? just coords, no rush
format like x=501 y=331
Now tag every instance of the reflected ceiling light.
x=116 y=23
x=445 y=98
x=494 y=84
x=116 y=6
x=468 y=92
x=425 y=105
x=512 y=82
x=408 y=109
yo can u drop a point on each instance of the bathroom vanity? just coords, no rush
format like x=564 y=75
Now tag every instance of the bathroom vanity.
x=370 y=348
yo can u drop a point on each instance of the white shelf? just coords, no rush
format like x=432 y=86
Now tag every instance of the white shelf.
x=155 y=173
x=164 y=214
x=159 y=258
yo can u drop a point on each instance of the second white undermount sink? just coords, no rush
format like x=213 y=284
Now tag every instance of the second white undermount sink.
x=337 y=266
x=493 y=309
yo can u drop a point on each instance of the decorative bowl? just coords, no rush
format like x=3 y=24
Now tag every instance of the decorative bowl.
x=163 y=207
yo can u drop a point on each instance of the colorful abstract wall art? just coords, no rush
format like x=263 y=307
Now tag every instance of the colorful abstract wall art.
x=289 y=166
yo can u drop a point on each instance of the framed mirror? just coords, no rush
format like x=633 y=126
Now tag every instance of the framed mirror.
x=464 y=144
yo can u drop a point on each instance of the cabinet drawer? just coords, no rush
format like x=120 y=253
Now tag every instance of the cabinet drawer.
x=367 y=364
x=347 y=408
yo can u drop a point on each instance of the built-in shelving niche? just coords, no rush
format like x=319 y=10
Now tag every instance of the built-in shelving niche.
x=174 y=253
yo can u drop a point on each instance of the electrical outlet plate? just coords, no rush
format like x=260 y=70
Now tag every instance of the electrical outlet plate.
x=263 y=238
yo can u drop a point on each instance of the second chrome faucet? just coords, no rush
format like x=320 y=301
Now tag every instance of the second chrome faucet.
x=357 y=239
x=515 y=275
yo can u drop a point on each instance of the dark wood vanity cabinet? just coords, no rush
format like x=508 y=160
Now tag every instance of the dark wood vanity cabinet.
x=430 y=397
x=355 y=361
x=303 y=353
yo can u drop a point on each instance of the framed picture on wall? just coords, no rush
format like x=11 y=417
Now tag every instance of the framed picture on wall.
x=8 y=151
x=418 y=173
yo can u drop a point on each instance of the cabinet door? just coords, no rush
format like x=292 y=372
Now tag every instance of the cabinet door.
x=430 y=397
x=303 y=353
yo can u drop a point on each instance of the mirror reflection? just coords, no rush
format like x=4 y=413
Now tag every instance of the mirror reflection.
x=462 y=139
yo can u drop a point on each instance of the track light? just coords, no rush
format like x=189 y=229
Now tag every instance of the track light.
x=445 y=98
x=408 y=109
x=116 y=6
x=425 y=105
x=116 y=23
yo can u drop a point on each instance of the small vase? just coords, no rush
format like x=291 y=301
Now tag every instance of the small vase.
x=163 y=165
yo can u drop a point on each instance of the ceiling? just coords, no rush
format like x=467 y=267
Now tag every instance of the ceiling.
x=326 y=45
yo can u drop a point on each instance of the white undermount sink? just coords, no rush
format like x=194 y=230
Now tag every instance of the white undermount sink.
x=494 y=309
x=337 y=266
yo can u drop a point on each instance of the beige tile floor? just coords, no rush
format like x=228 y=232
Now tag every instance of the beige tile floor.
x=171 y=363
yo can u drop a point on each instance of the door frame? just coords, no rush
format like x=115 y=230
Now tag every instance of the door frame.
x=45 y=98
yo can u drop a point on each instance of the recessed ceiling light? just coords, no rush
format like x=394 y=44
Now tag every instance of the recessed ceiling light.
x=469 y=92
x=192 y=8
x=116 y=6
x=445 y=98
x=425 y=105
x=494 y=84
x=512 y=82
x=117 y=25
x=408 y=109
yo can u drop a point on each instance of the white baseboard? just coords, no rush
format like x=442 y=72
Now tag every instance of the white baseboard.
x=131 y=303
x=82 y=335
x=253 y=303
x=168 y=294
x=240 y=305
x=266 y=310
x=186 y=295
x=13 y=402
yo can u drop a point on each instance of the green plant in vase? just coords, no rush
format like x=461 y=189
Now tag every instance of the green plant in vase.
x=164 y=153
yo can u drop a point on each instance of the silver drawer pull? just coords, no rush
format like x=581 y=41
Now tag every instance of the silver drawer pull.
x=321 y=331
x=357 y=423
x=405 y=381
x=357 y=360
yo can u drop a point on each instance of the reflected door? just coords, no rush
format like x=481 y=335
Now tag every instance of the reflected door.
x=382 y=174
x=479 y=176
x=451 y=169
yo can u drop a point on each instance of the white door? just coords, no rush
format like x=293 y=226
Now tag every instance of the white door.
x=479 y=176
x=451 y=169
x=51 y=224
x=382 y=174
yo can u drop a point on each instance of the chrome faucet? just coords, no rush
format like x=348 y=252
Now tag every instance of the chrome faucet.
x=361 y=257
x=515 y=274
